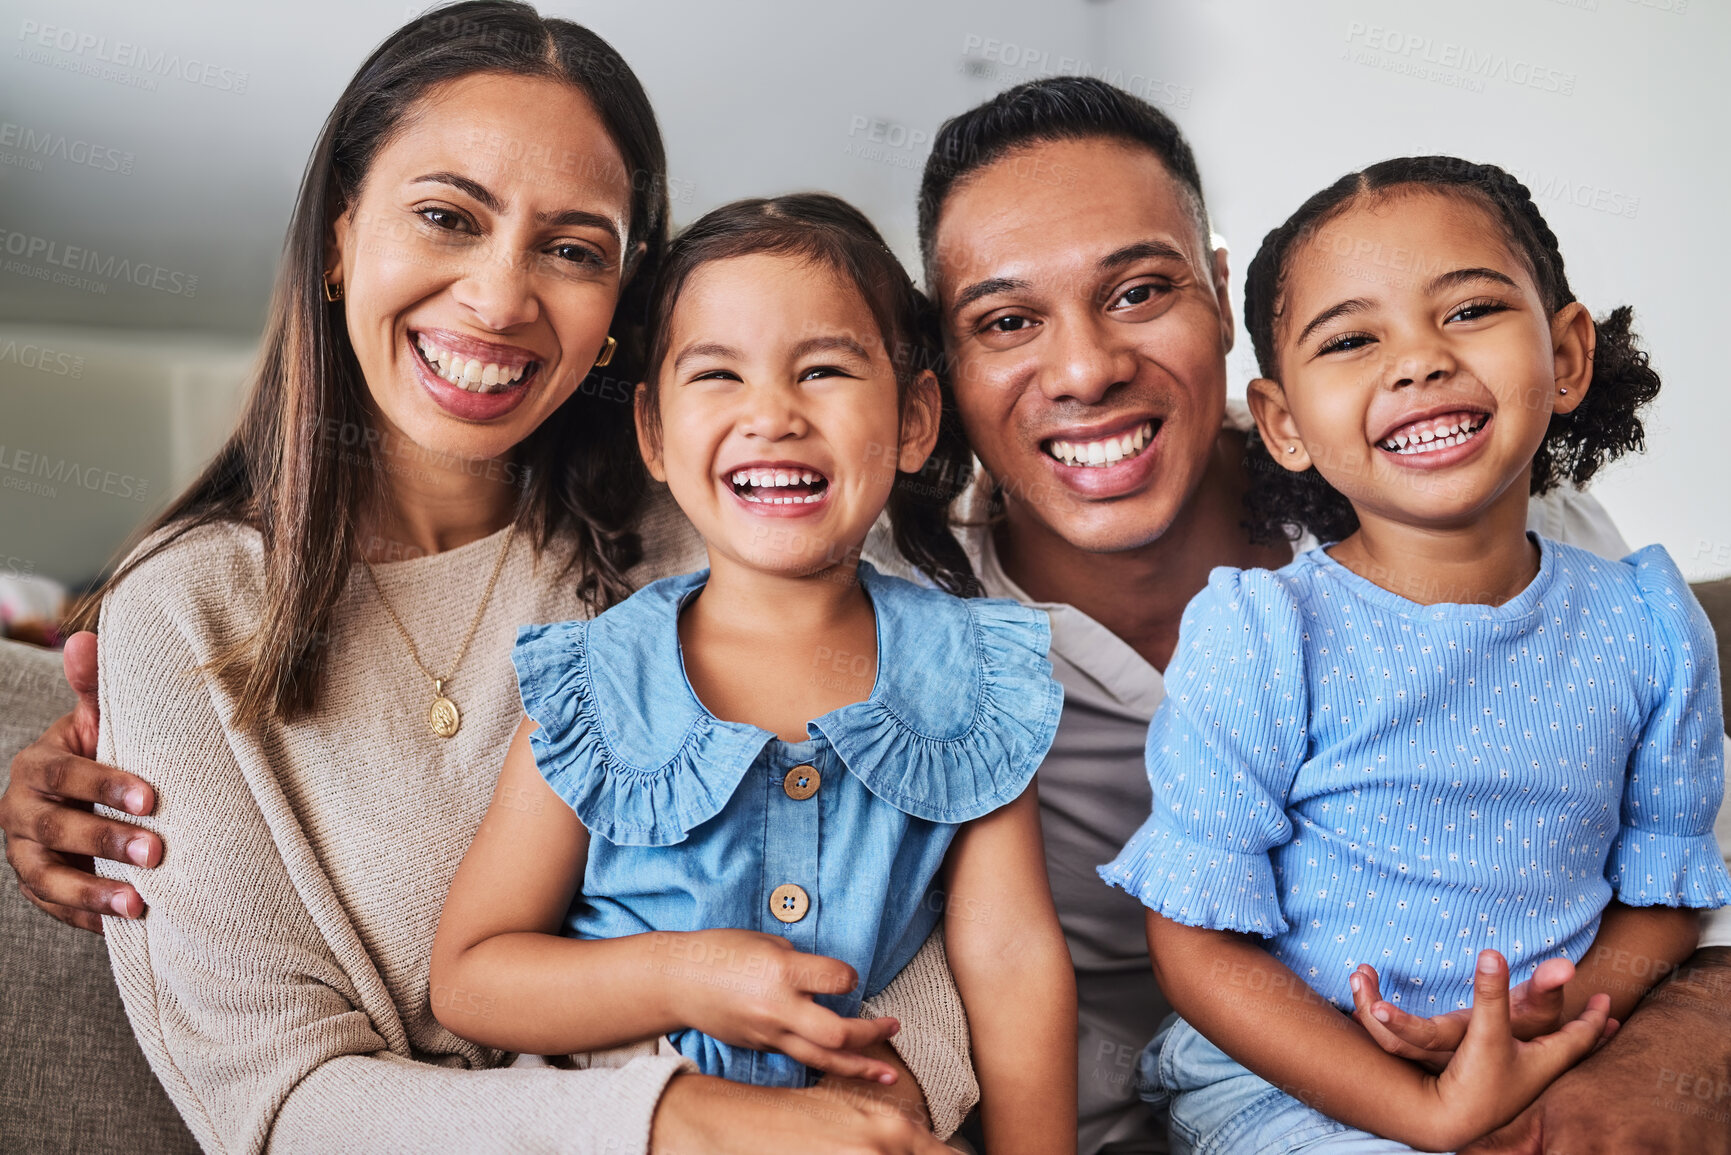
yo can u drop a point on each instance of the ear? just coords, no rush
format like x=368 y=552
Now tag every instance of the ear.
x=1574 y=341
x=922 y=413
x=1223 y=296
x=1274 y=421
x=337 y=244
x=648 y=433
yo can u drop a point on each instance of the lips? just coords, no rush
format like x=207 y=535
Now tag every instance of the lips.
x=1097 y=452
x=1433 y=433
x=778 y=483
x=474 y=366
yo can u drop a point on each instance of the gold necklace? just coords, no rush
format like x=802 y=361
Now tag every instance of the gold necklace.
x=443 y=718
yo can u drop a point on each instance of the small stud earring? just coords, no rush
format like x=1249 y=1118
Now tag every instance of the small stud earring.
x=1562 y=391
x=1292 y=449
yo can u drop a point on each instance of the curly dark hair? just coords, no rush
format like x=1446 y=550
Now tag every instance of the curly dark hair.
x=1282 y=504
x=826 y=229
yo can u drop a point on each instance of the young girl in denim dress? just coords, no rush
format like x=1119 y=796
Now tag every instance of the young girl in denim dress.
x=742 y=799
x=1441 y=751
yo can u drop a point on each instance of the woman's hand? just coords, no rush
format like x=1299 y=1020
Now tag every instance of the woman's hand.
x=701 y=1115
x=754 y=990
x=51 y=834
x=1493 y=1076
x=1535 y=1008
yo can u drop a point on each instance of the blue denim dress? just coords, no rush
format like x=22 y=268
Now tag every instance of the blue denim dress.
x=832 y=843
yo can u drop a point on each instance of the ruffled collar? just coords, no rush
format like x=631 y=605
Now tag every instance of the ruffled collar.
x=962 y=711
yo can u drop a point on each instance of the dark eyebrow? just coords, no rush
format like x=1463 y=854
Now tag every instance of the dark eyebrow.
x=985 y=288
x=706 y=349
x=1462 y=276
x=1140 y=251
x=1333 y=312
x=823 y=344
x=463 y=184
x=564 y=218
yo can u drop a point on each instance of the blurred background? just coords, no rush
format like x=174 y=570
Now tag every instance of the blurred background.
x=149 y=155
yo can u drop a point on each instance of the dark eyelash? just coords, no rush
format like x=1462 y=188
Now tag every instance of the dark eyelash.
x=1339 y=342
x=1482 y=307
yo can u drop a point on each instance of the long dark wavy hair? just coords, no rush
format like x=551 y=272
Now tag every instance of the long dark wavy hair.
x=280 y=472
x=1283 y=505
x=826 y=229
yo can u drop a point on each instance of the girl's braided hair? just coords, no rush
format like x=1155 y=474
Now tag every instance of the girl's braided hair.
x=1607 y=423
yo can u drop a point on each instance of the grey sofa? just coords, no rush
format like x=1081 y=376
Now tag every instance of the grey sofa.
x=71 y=1077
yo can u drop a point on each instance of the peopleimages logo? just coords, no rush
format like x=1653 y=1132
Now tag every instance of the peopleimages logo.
x=41 y=144
x=62 y=262
x=126 y=54
x=1449 y=62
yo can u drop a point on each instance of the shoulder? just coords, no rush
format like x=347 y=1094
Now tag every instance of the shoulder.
x=1252 y=600
x=959 y=754
x=207 y=581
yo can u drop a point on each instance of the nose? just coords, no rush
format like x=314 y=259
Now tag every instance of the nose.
x=498 y=289
x=1084 y=362
x=1424 y=359
x=773 y=413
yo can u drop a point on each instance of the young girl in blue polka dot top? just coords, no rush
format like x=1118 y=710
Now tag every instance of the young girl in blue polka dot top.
x=1441 y=753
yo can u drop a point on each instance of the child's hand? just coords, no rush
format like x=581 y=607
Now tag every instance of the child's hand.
x=754 y=990
x=1535 y=1008
x=1493 y=1076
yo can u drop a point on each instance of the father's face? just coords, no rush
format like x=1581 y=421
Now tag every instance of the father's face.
x=1089 y=327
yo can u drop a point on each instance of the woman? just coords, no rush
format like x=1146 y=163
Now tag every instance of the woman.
x=438 y=401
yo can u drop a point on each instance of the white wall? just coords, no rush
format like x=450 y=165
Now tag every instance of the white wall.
x=1623 y=131
x=190 y=181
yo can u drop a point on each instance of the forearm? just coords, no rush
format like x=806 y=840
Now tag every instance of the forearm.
x=386 y=1103
x=1259 y=1012
x=1636 y=947
x=1017 y=980
x=544 y=994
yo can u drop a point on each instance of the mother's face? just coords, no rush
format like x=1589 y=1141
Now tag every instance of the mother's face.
x=481 y=262
x=1089 y=327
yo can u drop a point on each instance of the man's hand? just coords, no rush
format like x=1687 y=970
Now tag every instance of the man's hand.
x=51 y=834
x=1663 y=1085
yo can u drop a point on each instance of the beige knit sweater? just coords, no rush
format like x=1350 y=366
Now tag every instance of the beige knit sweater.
x=278 y=984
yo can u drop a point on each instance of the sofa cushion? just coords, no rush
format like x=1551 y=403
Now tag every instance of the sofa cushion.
x=72 y=1079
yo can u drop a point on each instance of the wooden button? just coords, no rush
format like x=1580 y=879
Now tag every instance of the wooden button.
x=788 y=902
x=802 y=782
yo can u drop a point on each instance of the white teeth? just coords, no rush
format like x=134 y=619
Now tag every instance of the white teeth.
x=766 y=479
x=1434 y=438
x=468 y=373
x=1106 y=451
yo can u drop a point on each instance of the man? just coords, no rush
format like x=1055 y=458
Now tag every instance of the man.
x=1066 y=244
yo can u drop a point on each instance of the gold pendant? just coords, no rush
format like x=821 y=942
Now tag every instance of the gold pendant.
x=443 y=718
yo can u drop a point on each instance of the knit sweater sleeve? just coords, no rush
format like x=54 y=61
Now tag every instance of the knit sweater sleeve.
x=243 y=1008
x=1222 y=752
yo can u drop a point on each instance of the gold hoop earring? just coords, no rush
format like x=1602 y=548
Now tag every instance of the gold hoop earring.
x=333 y=291
x=606 y=357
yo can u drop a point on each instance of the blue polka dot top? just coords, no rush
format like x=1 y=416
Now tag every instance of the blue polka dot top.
x=1363 y=779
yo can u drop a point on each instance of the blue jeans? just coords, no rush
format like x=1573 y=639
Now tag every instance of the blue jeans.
x=1218 y=1107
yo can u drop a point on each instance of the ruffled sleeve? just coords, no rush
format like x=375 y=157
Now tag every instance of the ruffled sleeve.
x=969 y=706
x=632 y=781
x=1665 y=854
x=1222 y=752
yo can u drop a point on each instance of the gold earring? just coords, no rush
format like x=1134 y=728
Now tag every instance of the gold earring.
x=606 y=357
x=333 y=291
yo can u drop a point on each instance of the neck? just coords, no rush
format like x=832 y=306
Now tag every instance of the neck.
x=773 y=605
x=432 y=502
x=1140 y=594
x=1484 y=560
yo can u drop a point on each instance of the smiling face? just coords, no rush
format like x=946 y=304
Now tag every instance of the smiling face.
x=1089 y=329
x=777 y=424
x=478 y=287
x=1419 y=367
